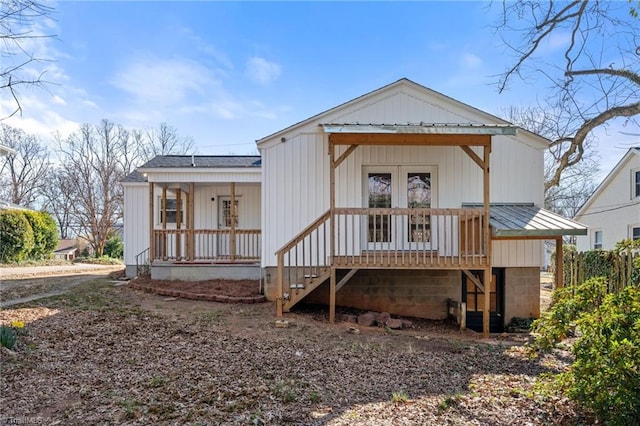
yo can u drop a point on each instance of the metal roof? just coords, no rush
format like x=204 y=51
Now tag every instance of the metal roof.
x=202 y=161
x=423 y=128
x=527 y=220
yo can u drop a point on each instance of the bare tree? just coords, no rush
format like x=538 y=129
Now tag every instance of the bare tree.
x=578 y=181
x=593 y=80
x=92 y=164
x=20 y=27
x=23 y=173
x=58 y=199
x=163 y=140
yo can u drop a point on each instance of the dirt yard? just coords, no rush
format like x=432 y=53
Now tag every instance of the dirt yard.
x=105 y=353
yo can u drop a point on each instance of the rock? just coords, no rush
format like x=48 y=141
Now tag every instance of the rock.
x=350 y=318
x=353 y=330
x=282 y=323
x=406 y=324
x=382 y=317
x=367 y=320
x=394 y=323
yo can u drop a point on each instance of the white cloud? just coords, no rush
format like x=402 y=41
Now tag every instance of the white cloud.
x=262 y=71
x=471 y=61
x=163 y=82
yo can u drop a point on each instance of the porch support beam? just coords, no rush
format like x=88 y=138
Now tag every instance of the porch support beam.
x=345 y=154
x=178 y=223
x=163 y=241
x=191 y=253
x=234 y=215
x=474 y=280
x=487 y=241
x=409 y=139
x=332 y=228
x=475 y=157
x=346 y=278
x=151 y=225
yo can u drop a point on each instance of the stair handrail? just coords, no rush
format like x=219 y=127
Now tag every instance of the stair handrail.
x=287 y=248
x=304 y=233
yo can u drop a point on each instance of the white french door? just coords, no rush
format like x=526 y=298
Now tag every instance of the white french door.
x=399 y=187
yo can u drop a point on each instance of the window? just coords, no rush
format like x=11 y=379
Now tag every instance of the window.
x=597 y=240
x=171 y=210
x=636 y=183
x=635 y=233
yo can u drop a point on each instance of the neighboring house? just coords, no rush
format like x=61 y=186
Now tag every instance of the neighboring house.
x=612 y=213
x=396 y=201
x=201 y=220
x=65 y=250
x=5 y=150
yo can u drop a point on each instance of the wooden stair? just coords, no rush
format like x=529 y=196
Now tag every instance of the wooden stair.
x=302 y=286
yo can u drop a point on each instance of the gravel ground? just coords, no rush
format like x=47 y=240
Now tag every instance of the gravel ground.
x=106 y=354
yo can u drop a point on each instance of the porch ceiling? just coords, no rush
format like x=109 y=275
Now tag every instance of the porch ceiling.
x=528 y=221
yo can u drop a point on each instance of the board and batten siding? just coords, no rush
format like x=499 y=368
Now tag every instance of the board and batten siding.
x=295 y=167
x=614 y=211
x=136 y=221
x=206 y=210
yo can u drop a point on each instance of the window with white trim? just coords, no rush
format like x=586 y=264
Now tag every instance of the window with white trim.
x=597 y=240
x=635 y=233
x=172 y=210
x=636 y=183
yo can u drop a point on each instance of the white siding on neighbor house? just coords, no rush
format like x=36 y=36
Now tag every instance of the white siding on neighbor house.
x=136 y=221
x=615 y=210
x=296 y=171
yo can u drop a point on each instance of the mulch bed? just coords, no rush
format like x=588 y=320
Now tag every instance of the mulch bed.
x=223 y=291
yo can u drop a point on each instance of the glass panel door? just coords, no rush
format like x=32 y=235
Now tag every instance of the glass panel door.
x=419 y=196
x=380 y=193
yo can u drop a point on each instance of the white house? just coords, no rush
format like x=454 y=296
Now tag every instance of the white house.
x=193 y=216
x=612 y=213
x=383 y=203
x=397 y=201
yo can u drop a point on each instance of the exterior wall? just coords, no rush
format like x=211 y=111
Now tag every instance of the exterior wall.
x=207 y=210
x=205 y=272
x=296 y=171
x=521 y=293
x=520 y=253
x=620 y=209
x=416 y=293
x=136 y=224
x=421 y=293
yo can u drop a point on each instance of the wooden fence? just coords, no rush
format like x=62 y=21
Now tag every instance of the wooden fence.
x=618 y=268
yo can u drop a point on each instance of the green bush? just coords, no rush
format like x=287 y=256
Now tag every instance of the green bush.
x=605 y=376
x=114 y=247
x=45 y=234
x=568 y=304
x=16 y=236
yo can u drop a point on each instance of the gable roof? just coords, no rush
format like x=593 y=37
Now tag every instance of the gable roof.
x=605 y=182
x=399 y=83
x=201 y=161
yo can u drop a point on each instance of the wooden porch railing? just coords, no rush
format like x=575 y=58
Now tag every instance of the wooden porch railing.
x=222 y=245
x=380 y=238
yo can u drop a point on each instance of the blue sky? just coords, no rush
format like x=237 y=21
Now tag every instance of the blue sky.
x=228 y=73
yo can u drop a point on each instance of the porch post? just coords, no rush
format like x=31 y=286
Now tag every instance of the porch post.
x=487 y=242
x=233 y=214
x=151 y=227
x=178 y=223
x=559 y=281
x=191 y=238
x=163 y=243
x=332 y=229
